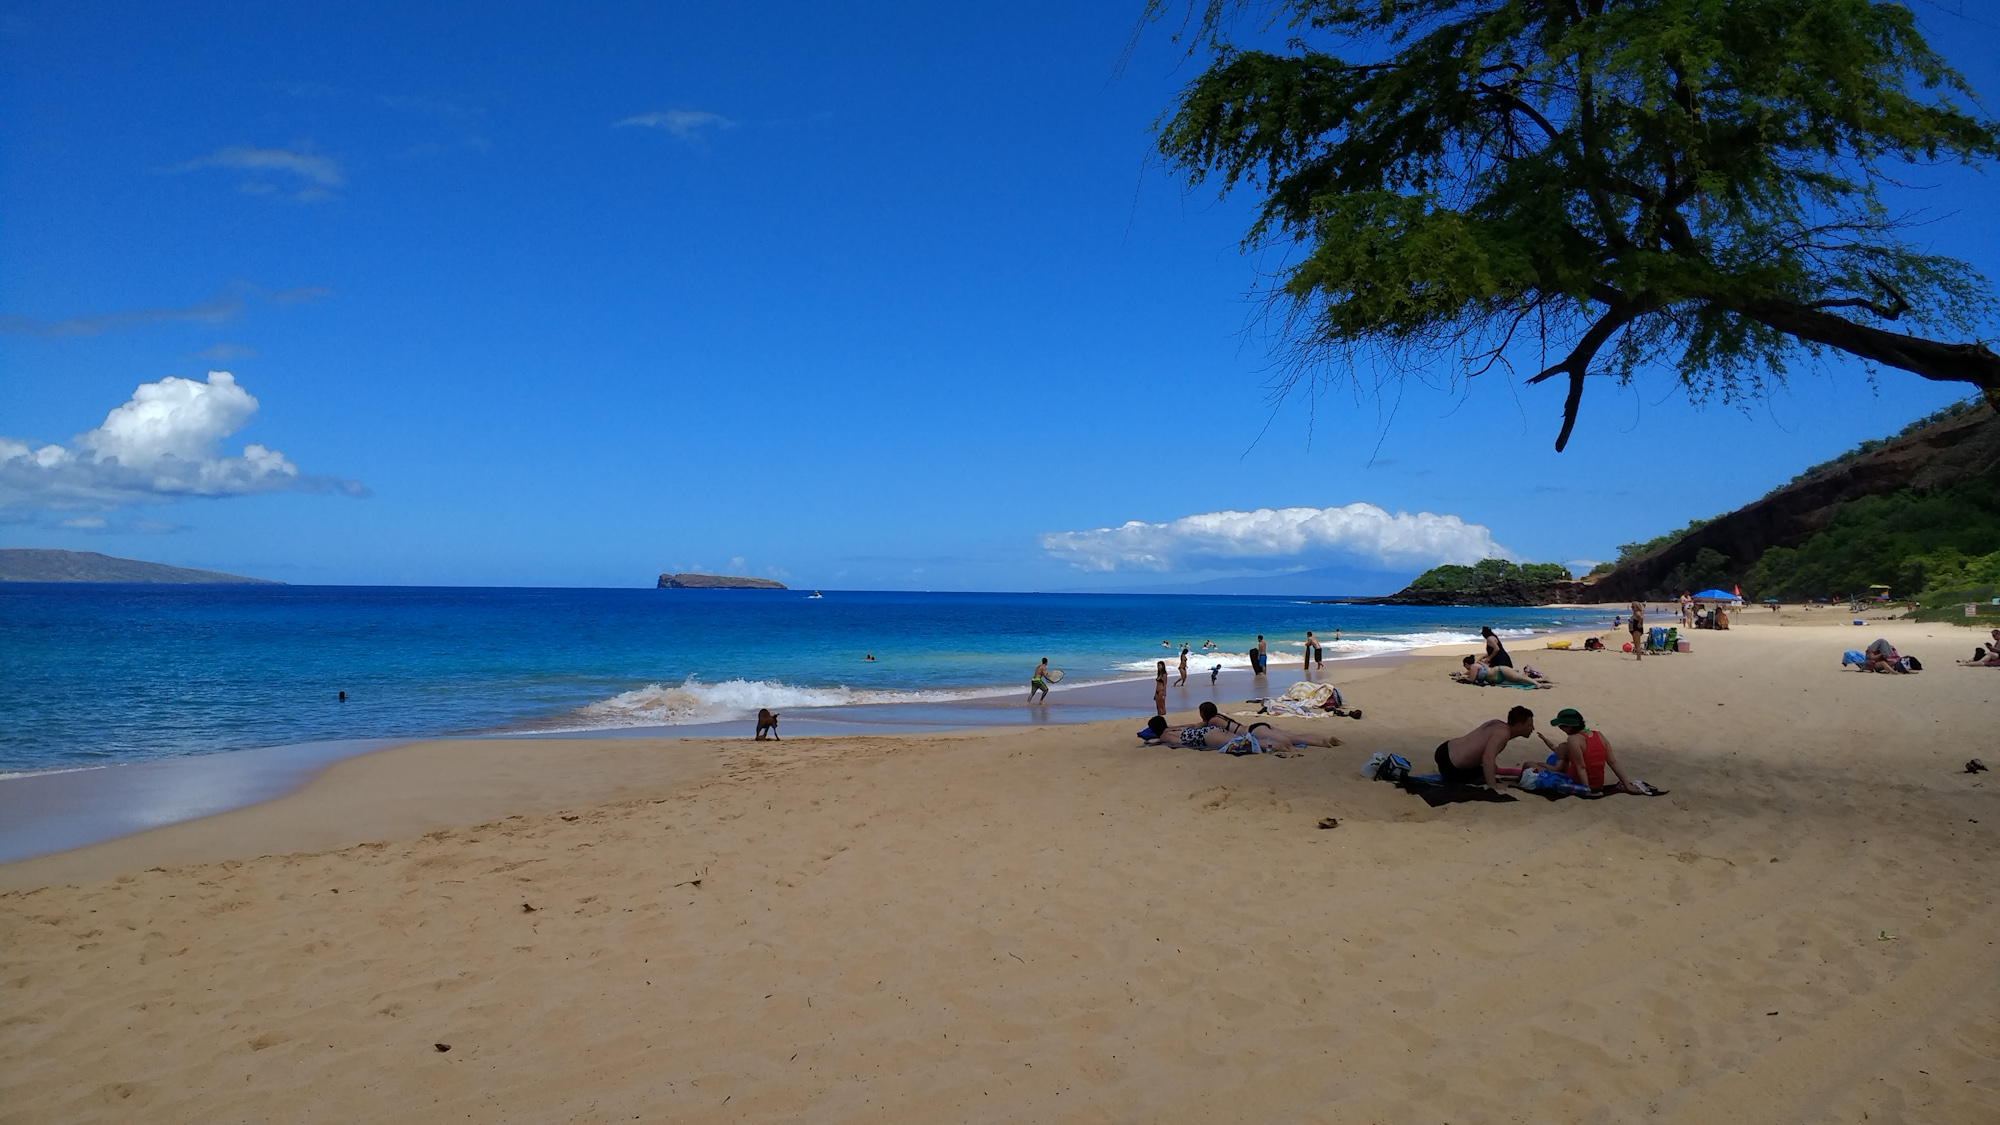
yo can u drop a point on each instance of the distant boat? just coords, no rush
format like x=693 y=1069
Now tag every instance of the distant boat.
x=815 y=594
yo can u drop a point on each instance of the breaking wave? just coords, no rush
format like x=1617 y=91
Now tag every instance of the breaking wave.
x=692 y=701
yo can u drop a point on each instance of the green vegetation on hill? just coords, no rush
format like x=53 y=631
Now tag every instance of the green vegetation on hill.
x=1920 y=545
x=1486 y=575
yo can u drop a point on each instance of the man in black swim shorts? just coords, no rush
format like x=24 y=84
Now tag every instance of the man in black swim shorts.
x=1473 y=757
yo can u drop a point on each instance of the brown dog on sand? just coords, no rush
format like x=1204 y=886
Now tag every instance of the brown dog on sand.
x=767 y=721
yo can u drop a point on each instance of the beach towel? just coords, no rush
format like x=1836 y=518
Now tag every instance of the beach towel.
x=1245 y=743
x=1435 y=792
x=1548 y=782
x=1303 y=700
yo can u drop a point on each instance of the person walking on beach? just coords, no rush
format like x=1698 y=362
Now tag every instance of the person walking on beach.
x=1183 y=680
x=1473 y=758
x=1636 y=625
x=1039 y=681
x=1160 y=690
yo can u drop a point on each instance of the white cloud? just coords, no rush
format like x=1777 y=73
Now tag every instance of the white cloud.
x=159 y=445
x=318 y=174
x=1358 y=533
x=686 y=124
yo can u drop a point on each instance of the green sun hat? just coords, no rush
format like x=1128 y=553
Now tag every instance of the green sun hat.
x=1569 y=717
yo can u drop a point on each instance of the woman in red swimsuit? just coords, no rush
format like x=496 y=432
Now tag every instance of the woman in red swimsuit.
x=1585 y=753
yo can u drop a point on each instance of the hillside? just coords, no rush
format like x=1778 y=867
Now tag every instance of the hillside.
x=33 y=564
x=1864 y=517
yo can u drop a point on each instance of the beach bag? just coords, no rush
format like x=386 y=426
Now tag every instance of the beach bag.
x=1386 y=767
x=1912 y=664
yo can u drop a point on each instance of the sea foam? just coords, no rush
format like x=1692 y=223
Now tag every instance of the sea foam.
x=692 y=701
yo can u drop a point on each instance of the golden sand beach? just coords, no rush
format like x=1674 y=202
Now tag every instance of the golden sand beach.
x=1058 y=924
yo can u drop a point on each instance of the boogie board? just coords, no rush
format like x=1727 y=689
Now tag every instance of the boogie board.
x=1053 y=675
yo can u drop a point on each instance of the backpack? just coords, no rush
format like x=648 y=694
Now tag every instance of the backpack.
x=1386 y=767
x=1912 y=664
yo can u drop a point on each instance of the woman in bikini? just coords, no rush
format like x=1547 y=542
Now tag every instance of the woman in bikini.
x=1637 y=627
x=1203 y=736
x=1160 y=690
x=1486 y=675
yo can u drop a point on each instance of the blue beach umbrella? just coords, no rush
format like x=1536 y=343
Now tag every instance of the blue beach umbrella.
x=1716 y=596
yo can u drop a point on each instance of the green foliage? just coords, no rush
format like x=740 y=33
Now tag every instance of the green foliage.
x=1708 y=569
x=1603 y=568
x=1487 y=574
x=1949 y=605
x=1629 y=551
x=1909 y=541
x=1687 y=181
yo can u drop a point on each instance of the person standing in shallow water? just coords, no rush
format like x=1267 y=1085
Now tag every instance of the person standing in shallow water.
x=1183 y=679
x=1258 y=657
x=1160 y=690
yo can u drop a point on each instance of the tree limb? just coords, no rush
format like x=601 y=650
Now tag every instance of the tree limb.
x=1577 y=362
x=1973 y=363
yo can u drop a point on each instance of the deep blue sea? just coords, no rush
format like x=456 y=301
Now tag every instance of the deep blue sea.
x=96 y=674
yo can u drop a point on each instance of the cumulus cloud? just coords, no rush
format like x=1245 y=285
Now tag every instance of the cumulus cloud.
x=687 y=124
x=159 y=445
x=314 y=176
x=1359 y=533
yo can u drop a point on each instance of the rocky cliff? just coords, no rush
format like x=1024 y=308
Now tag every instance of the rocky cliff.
x=1932 y=458
x=715 y=582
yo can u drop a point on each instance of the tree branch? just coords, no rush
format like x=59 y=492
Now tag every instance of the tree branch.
x=1973 y=363
x=1577 y=362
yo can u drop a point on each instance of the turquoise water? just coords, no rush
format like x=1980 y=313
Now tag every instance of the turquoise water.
x=91 y=675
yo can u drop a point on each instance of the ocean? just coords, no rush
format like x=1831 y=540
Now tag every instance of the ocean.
x=94 y=675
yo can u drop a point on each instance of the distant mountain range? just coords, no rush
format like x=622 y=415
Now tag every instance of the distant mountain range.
x=34 y=564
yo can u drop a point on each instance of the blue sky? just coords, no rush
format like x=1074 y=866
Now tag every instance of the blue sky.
x=881 y=298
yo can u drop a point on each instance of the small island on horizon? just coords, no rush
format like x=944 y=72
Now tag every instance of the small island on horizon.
x=716 y=582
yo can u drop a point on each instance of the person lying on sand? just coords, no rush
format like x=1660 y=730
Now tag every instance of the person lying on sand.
x=1473 y=757
x=1584 y=753
x=1882 y=657
x=1486 y=675
x=1202 y=736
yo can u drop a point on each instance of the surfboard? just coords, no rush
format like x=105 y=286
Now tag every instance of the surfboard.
x=1053 y=675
